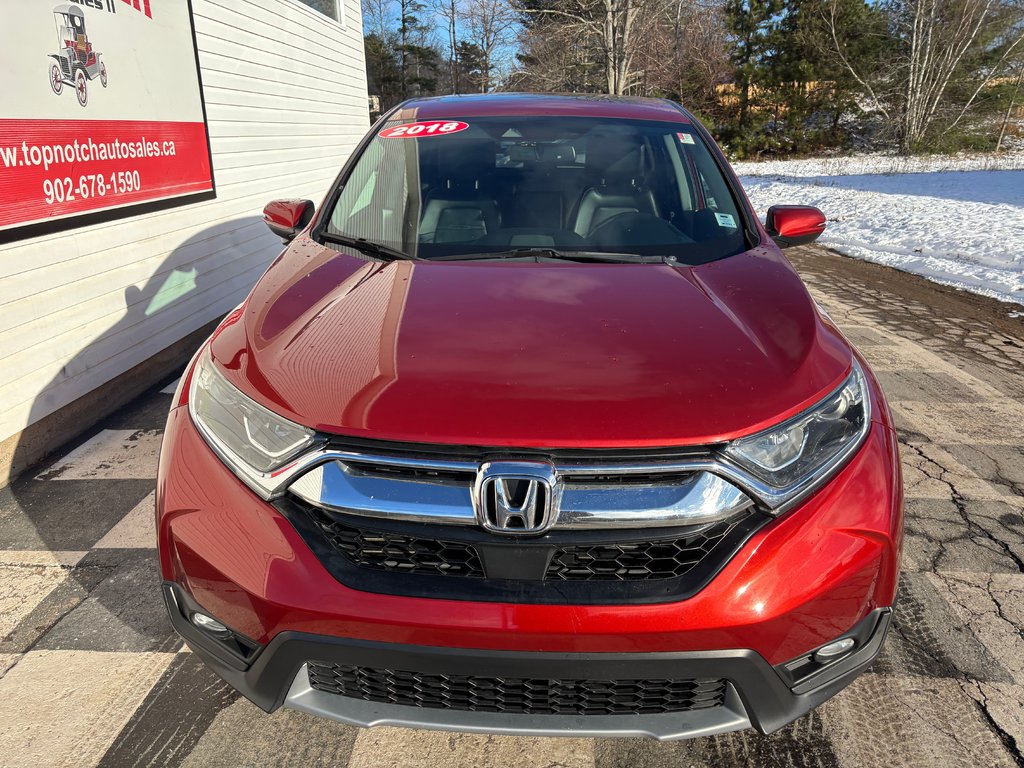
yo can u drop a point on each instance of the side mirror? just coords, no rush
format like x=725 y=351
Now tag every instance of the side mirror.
x=790 y=225
x=286 y=218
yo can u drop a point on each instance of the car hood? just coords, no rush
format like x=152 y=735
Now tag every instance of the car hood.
x=545 y=355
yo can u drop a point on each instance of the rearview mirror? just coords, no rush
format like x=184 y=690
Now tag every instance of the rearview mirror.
x=790 y=225
x=286 y=218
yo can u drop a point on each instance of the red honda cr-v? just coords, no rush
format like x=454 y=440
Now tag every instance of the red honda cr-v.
x=532 y=429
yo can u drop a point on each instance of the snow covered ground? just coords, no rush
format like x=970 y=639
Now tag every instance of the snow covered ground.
x=955 y=220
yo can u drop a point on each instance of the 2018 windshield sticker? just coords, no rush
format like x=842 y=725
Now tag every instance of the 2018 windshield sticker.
x=685 y=138
x=726 y=220
x=424 y=129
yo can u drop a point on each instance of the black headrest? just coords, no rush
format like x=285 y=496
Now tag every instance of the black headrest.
x=614 y=157
x=465 y=160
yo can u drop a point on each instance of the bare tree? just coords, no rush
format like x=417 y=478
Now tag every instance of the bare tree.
x=941 y=34
x=936 y=39
x=615 y=25
x=556 y=56
x=450 y=11
x=379 y=18
x=490 y=25
x=1009 y=43
x=878 y=85
x=618 y=29
x=683 y=52
x=1009 y=107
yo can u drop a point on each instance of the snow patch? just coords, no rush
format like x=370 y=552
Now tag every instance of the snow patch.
x=937 y=218
x=877 y=163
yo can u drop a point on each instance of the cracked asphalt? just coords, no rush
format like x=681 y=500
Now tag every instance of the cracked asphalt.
x=91 y=674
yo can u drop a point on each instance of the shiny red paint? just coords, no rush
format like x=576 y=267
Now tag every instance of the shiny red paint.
x=532 y=355
x=795 y=224
x=286 y=217
x=796 y=220
x=536 y=355
x=796 y=584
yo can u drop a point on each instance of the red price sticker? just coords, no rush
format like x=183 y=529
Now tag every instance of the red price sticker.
x=419 y=130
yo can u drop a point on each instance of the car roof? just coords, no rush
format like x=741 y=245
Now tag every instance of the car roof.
x=71 y=10
x=583 y=105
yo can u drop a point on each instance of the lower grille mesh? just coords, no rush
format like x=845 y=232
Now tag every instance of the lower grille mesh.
x=517 y=695
x=634 y=561
x=664 y=559
x=399 y=553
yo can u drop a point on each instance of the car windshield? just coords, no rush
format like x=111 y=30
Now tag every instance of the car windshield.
x=505 y=186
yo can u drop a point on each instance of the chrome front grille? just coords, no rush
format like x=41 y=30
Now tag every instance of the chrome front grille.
x=587 y=496
x=574 y=531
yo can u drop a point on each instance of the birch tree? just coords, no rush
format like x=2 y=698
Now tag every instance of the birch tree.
x=935 y=41
x=940 y=35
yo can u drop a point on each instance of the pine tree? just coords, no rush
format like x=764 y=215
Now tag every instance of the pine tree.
x=418 y=62
x=749 y=23
x=470 y=62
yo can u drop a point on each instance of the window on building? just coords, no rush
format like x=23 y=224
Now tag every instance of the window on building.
x=329 y=8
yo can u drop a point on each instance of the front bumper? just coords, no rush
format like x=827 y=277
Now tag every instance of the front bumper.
x=824 y=570
x=757 y=694
x=794 y=585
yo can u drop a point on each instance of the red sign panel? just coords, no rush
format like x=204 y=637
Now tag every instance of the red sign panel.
x=424 y=129
x=52 y=168
x=108 y=114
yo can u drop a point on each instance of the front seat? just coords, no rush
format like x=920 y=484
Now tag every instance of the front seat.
x=615 y=174
x=459 y=212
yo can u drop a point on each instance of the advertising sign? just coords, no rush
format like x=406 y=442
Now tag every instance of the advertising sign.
x=103 y=108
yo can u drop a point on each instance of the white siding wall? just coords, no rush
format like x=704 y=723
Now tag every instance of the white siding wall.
x=285 y=93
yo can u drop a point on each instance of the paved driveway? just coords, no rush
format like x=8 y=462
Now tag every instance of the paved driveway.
x=90 y=673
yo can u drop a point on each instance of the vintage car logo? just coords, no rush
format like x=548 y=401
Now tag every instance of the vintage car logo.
x=75 y=63
x=516 y=497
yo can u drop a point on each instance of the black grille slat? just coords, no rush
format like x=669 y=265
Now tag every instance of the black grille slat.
x=627 y=561
x=399 y=553
x=636 y=561
x=411 y=473
x=571 y=567
x=527 y=696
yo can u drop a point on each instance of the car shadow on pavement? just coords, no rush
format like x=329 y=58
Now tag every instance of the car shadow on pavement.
x=84 y=520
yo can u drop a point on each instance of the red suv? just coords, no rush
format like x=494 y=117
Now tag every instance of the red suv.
x=532 y=428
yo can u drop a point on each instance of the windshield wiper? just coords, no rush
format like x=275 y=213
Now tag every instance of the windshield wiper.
x=368 y=247
x=553 y=253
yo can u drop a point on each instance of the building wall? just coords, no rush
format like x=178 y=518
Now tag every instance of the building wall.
x=285 y=94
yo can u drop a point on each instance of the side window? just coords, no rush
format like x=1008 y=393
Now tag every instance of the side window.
x=375 y=210
x=680 y=173
x=709 y=196
x=332 y=9
x=358 y=190
x=717 y=197
x=365 y=196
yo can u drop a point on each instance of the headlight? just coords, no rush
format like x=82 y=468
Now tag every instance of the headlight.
x=799 y=453
x=250 y=439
